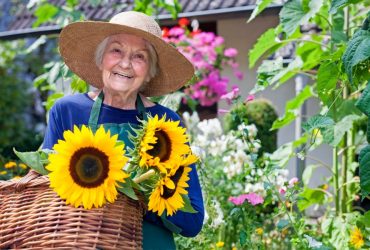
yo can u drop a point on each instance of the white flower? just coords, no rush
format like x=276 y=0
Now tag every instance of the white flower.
x=219 y=215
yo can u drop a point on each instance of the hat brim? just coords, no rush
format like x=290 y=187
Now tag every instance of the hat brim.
x=78 y=42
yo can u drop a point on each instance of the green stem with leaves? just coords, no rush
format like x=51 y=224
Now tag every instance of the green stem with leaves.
x=336 y=180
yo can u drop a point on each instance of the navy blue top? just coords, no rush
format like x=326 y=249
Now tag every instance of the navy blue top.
x=75 y=110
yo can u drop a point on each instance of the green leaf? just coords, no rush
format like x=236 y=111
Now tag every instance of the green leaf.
x=310 y=197
x=343 y=108
x=363 y=102
x=291 y=108
x=126 y=189
x=356 y=58
x=267 y=42
x=54 y=72
x=366 y=219
x=260 y=6
x=281 y=156
x=332 y=135
x=243 y=237
x=327 y=78
x=44 y=13
x=79 y=85
x=33 y=160
x=309 y=53
x=287 y=72
x=266 y=71
x=307 y=173
x=317 y=121
x=41 y=40
x=339 y=4
x=365 y=170
x=288 y=117
x=295 y=13
x=52 y=99
x=337 y=32
x=188 y=208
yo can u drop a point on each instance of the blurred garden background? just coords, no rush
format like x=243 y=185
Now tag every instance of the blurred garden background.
x=277 y=110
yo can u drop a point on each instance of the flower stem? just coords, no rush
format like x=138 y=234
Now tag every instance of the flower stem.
x=144 y=176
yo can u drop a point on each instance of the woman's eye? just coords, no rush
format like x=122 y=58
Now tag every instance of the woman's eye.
x=115 y=50
x=139 y=57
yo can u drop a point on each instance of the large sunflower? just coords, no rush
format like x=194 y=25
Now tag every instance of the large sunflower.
x=85 y=167
x=167 y=195
x=162 y=142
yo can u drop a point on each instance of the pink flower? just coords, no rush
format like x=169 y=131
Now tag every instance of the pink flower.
x=250 y=98
x=252 y=198
x=176 y=31
x=230 y=52
x=282 y=190
x=293 y=181
x=222 y=111
x=239 y=74
x=233 y=94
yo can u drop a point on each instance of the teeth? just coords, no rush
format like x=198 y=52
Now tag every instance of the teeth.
x=123 y=75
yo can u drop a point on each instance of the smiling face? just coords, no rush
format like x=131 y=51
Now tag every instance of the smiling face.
x=125 y=64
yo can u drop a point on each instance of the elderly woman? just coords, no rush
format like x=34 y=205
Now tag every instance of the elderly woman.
x=126 y=61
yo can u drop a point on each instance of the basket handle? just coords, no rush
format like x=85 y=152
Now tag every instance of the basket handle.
x=22 y=182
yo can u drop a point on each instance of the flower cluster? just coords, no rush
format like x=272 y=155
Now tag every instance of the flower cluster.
x=12 y=169
x=162 y=146
x=88 y=168
x=209 y=55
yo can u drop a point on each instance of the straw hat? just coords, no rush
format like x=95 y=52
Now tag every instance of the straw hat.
x=78 y=42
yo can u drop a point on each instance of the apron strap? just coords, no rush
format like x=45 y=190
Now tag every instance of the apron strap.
x=141 y=109
x=95 y=110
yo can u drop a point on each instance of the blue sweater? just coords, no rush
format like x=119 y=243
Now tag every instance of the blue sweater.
x=75 y=110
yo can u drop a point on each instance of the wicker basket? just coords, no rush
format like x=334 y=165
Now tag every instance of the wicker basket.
x=33 y=216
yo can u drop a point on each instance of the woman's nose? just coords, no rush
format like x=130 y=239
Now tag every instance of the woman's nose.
x=125 y=62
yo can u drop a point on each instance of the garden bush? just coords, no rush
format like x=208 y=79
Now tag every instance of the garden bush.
x=259 y=112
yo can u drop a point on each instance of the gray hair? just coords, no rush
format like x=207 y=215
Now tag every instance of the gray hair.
x=153 y=57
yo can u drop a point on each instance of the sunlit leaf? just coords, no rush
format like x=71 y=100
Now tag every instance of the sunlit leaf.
x=44 y=13
x=267 y=42
x=291 y=108
x=33 y=160
x=339 y=4
x=363 y=102
x=260 y=6
x=295 y=13
x=317 y=121
x=126 y=188
x=356 y=58
x=333 y=134
x=309 y=197
x=327 y=78
x=365 y=171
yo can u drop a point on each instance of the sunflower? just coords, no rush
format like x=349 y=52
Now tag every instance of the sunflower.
x=162 y=142
x=85 y=167
x=167 y=195
x=357 y=239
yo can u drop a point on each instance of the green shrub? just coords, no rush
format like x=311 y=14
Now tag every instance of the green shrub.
x=17 y=127
x=259 y=112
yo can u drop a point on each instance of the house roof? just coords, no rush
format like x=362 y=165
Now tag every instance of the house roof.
x=20 y=24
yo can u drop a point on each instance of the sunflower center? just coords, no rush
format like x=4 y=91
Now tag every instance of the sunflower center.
x=89 y=167
x=167 y=192
x=162 y=148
